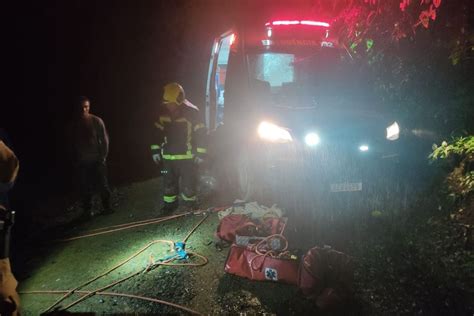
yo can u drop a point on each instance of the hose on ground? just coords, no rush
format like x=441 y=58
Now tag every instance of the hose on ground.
x=148 y=268
x=124 y=227
x=145 y=298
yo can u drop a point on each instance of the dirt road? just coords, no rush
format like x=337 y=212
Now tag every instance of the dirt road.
x=206 y=289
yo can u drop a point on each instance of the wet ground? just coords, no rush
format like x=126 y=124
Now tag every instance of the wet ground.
x=415 y=263
x=55 y=265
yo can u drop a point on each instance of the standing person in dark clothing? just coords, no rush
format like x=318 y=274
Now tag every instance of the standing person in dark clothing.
x=180 y=143
x=9 y=299
x=3 y=193
x=91 y=146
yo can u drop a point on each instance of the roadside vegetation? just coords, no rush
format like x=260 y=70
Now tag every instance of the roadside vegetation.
x=421 y=54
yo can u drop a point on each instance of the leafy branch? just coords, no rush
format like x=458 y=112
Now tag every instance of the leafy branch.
x=461 y=179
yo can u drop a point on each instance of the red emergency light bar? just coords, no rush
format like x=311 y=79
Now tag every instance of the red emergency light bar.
x=315 y=23
x=295 y=22
x=285 y=22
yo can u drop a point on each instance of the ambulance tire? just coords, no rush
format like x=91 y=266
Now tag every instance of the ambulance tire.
x=249 y=187
x=245 y=178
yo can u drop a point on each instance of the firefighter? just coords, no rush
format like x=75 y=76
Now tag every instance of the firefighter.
x=179 y=146
x=9 y=299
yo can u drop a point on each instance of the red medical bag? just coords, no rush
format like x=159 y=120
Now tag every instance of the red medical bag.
x=245 y=262
x=237 y=224
x=234 y=224
x=326 y=275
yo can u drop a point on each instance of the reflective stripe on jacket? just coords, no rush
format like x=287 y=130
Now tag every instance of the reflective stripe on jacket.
x=180 y=136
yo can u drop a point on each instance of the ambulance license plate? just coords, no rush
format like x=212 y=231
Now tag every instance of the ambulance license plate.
x=346 y=187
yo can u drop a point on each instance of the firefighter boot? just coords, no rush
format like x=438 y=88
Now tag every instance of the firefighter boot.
x=191 y=205
x=169 y=207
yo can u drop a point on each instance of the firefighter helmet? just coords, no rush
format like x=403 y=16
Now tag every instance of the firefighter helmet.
x=173 y=93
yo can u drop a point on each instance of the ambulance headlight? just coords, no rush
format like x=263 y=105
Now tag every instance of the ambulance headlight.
x=312 y=139
x=364 y=148
x=393 y=131
x=273 y=133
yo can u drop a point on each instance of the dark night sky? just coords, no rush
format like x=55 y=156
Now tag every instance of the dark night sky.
x=120 y=54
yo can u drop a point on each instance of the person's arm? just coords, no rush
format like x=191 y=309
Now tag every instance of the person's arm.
x=200 y=135
x=103 y=138
x=9 y=298
x=158 y=135
x=9 y=166
x=5 y=138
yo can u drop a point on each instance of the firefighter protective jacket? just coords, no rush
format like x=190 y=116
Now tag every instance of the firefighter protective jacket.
x=180 y=135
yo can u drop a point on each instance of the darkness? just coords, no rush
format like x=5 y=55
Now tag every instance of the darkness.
x=117 y=53
x=120 y=55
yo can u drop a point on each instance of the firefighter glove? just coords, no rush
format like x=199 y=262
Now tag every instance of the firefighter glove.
x=156 y=158
x=198 y=160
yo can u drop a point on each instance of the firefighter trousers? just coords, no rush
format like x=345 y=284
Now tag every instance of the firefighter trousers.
x=176 y=172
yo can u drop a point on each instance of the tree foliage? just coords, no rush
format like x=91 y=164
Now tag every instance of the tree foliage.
x=461 y=150
x=419 y=54
x=362 y=23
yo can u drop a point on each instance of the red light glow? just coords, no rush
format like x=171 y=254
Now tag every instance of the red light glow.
x=295 y=22
x=285 y=22
x=232 y=39
x=315 y=23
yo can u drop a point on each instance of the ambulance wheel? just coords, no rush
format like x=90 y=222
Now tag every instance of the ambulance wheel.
x=250 y=186
x=245 y=177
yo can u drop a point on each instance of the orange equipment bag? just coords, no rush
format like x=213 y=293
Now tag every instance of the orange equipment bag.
x=240 y=225
x=234 y=224
x=326 y=275
x=263 y=264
